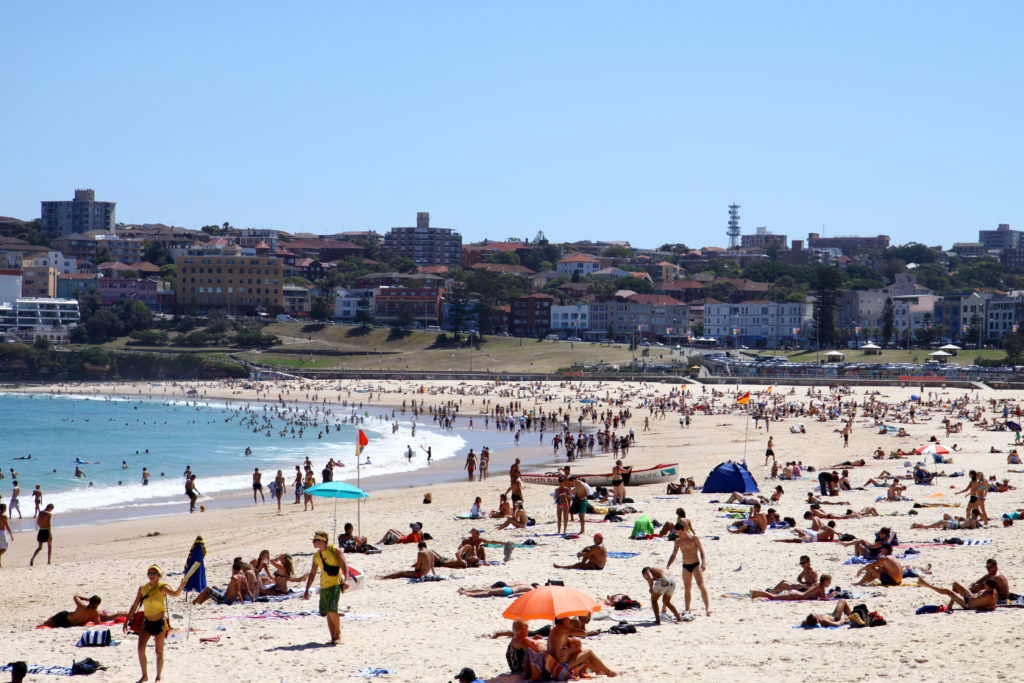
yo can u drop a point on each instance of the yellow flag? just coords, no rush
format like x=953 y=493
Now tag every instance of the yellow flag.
x=744 y=399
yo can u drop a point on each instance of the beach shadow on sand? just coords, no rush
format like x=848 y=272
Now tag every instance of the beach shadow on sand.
x=298 y=647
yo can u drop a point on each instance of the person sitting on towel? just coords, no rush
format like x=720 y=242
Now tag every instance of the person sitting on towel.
x=592 y=557
x=886 y=569
x=755 y=524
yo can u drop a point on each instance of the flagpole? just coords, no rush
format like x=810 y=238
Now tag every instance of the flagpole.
x=359 y=501
x=746 y=433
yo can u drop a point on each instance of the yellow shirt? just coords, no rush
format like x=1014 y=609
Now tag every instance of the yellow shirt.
x=328 y=554
x=153 y=601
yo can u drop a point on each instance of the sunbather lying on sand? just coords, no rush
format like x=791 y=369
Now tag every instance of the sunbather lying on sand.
x=499 y=589
x=984 y=600
x=816 y=592
x=839 y=616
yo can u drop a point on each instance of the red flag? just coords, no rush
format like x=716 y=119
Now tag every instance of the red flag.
x=360 y=442
x=744 y=399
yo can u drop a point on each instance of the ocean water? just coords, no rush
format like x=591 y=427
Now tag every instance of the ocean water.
x=209 y=436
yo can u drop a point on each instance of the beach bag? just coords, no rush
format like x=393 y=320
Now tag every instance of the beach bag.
x=329 y=569
x=95 y=638
x=86 y=667
x=862 y=611
x=875 y=619
x=136 y=623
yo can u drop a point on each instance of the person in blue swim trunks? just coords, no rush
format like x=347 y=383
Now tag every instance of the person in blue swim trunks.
x=499 y=589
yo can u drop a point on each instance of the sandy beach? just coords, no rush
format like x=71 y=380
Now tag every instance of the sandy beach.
x=426 y=632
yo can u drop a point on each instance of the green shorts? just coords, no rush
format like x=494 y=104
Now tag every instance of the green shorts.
x=578 y=507
x=329 y=600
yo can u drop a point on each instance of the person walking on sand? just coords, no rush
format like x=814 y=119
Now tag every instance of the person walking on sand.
x=44 y=522
x=694 y=564
x=5 y=530
x=15 y=492
x=471 y=463
x=191 y=492
x=297 y=484
x=485 y=461
x=279 y=485
x=329 y=560
x=770 y=450
x=37 y=494
x=151 y=599
x=257 y=485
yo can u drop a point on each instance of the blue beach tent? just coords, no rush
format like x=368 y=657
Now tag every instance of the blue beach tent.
x=729 y=477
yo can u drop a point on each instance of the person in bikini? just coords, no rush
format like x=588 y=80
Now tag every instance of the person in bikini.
x=284 y=572
x=563 y=499
x=423 y=566
x=839 y=616
x=592 y=557
x=823 y=534
x=816 y=592
x=518 y=518
x=694 y=564
x=887 y=570
x=497 y=591
x=951 y=523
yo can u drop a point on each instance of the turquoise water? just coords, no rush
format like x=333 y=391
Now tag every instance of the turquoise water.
x=210 y=437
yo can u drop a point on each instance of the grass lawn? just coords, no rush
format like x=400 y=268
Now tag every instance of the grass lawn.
x=373 y=351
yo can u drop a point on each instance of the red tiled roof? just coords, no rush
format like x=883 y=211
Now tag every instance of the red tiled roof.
x=113 y=265
x=577 y=258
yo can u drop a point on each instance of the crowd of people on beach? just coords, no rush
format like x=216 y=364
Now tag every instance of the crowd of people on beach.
x=574 y=432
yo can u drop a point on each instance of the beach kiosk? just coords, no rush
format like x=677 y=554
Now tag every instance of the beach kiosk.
x=834 y=357
x=871 y=349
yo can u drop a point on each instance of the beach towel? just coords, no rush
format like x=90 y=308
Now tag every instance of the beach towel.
x=467 y=517
x=37 y=670
x=642 y=527
x=291 y=595
x=372 y=672
x=270 y=614
x=620 y=555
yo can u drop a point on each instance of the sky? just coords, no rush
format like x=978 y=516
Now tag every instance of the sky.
x=584 y=120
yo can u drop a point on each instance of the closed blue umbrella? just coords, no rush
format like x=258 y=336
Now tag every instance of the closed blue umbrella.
x=336 y=490
x=196 y=582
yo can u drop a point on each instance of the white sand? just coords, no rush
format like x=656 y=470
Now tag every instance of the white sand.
x=427 y=632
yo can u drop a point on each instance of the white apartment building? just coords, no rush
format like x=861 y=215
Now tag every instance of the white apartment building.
x=10 y=285
x=31 y=312
x=346 y=302
x=646 y=315
x=756 y=324
x=573 y=320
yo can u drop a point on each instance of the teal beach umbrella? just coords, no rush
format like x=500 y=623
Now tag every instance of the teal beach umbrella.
x=336 y=490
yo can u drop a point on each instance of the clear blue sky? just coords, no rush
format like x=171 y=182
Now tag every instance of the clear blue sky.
x=600 y=120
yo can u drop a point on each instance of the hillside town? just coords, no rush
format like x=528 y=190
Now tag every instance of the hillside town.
x=762 y=290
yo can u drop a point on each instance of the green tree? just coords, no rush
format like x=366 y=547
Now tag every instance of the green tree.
x=134 y=315
x=155 y=253
x=364 y=316
x=826 y=294
x=721 y=290
x=321 y=308
x=1013 y=345
x=617 y=251
x=925 y=334
x=509 y=258
x=406 y=317
x=635 y=284
x=888 y=320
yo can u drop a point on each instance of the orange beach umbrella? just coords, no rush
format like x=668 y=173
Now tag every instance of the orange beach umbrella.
x=551 y=602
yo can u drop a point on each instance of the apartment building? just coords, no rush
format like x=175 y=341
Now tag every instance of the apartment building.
x=237 y=284
x=758 y=324
x=425 y=245
x=81 y=214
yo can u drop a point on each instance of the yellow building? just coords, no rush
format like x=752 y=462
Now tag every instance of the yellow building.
x=236 y=284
